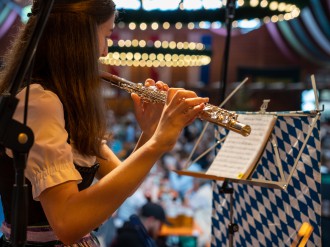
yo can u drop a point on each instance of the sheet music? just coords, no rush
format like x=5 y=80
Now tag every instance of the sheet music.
x=238 y=154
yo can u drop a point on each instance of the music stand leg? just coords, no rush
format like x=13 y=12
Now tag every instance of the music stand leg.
x=232 y=227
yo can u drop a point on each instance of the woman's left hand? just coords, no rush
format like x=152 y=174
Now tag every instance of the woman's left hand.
x=148 y=114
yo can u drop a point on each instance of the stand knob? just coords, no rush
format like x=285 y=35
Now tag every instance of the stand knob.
x=233 y=228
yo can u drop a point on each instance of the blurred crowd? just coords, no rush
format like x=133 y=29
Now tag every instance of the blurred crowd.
x=179 y=195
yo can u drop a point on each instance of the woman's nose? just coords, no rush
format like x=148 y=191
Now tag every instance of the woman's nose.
x=105 y=49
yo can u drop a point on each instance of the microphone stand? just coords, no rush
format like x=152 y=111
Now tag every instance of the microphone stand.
x=17 y=136
x=230 y=15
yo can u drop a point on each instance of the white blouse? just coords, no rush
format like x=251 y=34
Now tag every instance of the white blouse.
x=51 y=158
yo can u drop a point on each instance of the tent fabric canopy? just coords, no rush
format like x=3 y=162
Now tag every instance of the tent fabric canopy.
x=307 y=36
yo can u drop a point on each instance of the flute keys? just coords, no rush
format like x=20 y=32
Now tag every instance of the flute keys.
x=153 y=88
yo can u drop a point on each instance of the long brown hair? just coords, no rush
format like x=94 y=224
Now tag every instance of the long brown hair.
x=66 y=62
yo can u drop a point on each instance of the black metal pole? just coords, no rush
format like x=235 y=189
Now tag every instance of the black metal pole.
x=232 y=227
x=230 y=15
x=20 y=202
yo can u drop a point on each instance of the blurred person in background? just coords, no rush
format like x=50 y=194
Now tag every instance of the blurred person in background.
x=142 y=230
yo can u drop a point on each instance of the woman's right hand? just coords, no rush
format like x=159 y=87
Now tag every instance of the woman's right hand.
x=181 y=108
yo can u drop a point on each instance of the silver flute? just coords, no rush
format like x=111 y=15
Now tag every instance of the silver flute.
x=210 y=113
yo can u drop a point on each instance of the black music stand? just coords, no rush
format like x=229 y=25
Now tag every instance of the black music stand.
x=17 y=136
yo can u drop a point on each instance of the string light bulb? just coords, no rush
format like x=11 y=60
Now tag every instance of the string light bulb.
x=156 y=54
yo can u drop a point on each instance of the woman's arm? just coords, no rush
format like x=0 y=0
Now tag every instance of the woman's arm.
x=148 y=114
x=108 y=162
x=73 y=214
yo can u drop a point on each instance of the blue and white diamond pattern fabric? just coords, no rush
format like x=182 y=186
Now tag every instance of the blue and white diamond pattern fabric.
x=271 y=216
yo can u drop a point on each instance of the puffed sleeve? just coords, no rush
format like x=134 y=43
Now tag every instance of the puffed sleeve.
x=50 y=160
